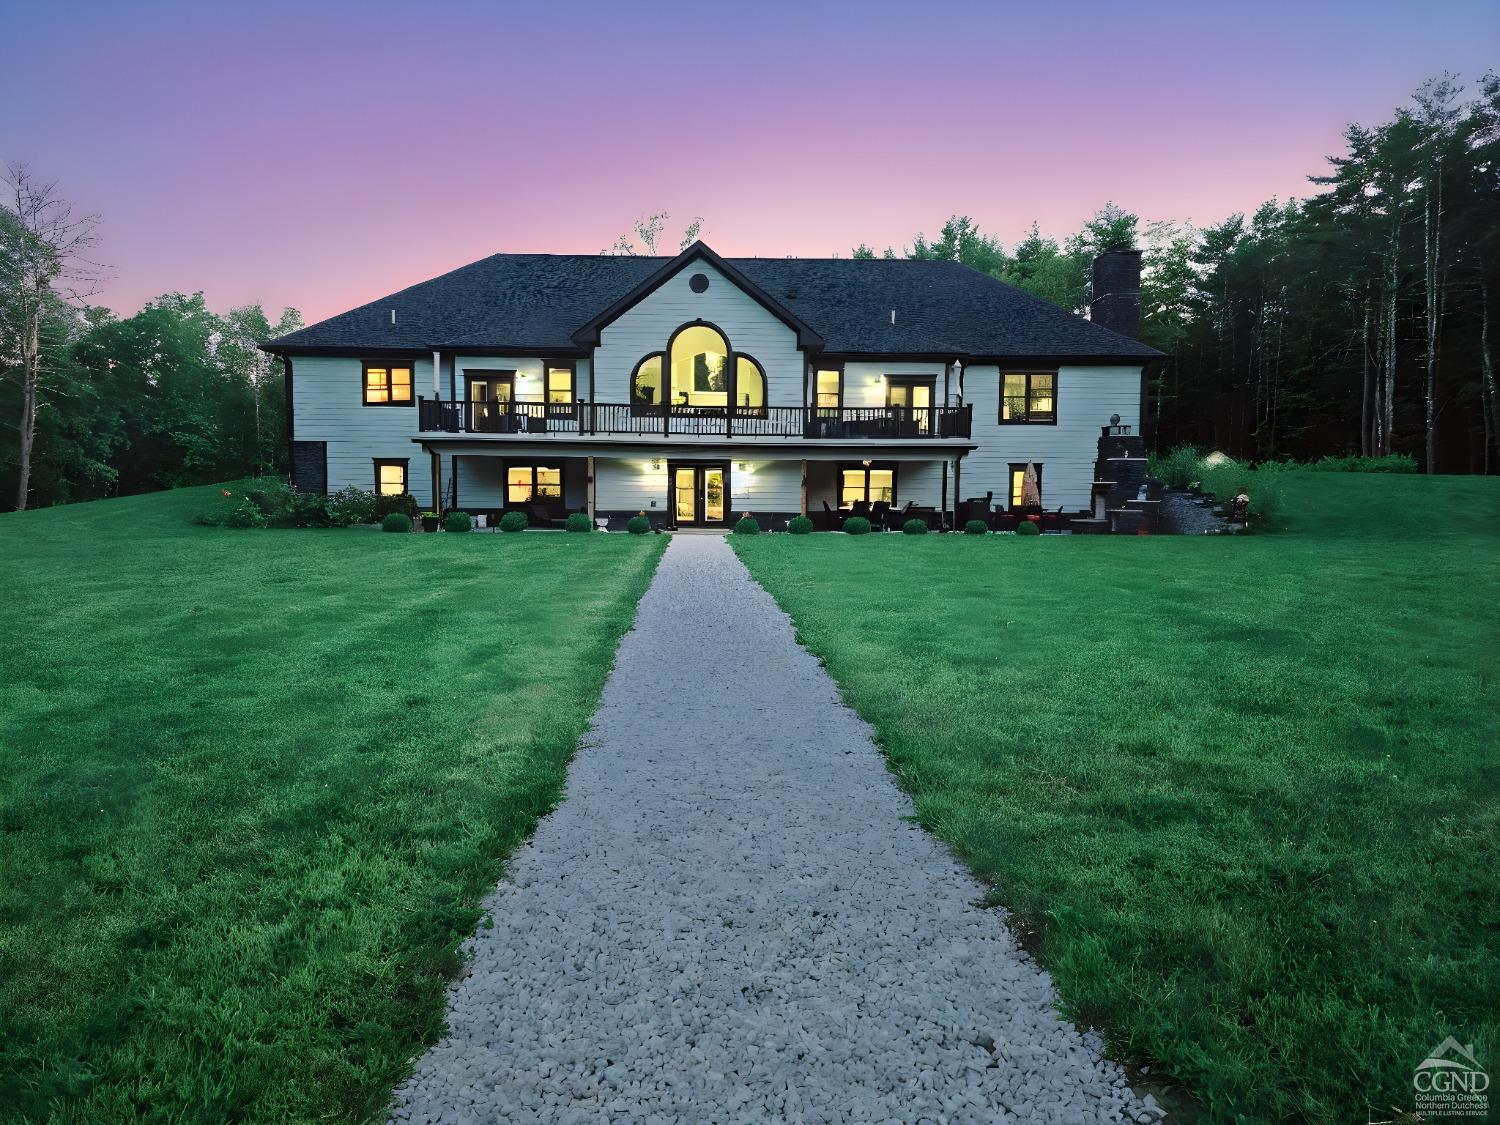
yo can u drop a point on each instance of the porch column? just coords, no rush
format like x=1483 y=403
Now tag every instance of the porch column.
x=958 y=492
x=804 y=486
x=943 y=512
x=591 y=491
x=437 y=482
x=437 y=369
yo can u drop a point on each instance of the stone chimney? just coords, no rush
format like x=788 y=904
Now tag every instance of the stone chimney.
x=1116 y=300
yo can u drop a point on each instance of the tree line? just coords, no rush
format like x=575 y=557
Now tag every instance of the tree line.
x=1354 y=321
x=98 y=405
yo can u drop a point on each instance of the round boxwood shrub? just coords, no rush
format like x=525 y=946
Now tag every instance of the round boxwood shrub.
x=1026 y=527
x=638 y=525
x=976 y=527
x=579 y=521
x=458 y=521
x=914 y=527
x=747 y=525
x=514 y=521
x=800 y=525
x=857 y=525
x=396 y=521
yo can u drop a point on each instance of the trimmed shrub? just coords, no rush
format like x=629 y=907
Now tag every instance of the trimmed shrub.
x=638 y=525
x=396 y=521
x=403 y=502
x=233 y=510
x=1264 y=486
x=458 y=521
x=976 y=527
x=1026 y=527
x=914 y=527
x=308 y=509
x=514 y=521
x=579 y=521
x=273 y=497
x=857 y=525
x=1390 y=463
x=747 y=525
x=349 y=506
x=800 y=525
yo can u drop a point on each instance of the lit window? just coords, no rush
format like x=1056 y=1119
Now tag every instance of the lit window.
x=387 y=384
x=645 y=383
x=559 y=391
x=873 y=484
x=1018 y=486
x=1028 y=396
x=390 y=477
x=826 y=389
x=699 y=367
x=749 y=386
x=526 y=484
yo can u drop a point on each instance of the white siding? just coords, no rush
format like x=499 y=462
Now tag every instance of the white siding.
x=1086 y=397
x=647 y=326
x=328 y=405
x=631 y=484
x=765 y=486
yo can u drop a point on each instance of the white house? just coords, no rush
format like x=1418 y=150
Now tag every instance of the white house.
x=697 y=388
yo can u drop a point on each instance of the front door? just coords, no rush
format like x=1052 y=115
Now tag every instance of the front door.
x=700 y=494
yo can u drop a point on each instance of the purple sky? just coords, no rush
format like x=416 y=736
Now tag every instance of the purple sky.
x=321 y=155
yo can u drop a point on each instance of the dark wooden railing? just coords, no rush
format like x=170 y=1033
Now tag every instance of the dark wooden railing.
x=461 y=417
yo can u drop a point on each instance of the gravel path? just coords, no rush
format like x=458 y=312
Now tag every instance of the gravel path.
x=727 y=919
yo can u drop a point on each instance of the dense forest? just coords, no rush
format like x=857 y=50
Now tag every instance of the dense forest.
x=1354 y=321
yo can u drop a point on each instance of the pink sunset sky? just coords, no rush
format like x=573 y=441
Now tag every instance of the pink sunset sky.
x=322 y=155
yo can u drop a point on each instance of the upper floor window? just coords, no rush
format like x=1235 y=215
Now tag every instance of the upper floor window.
x=387 y=384
x=828 y=388
x=560 y=390
x=699 y=373
x=1028 y=396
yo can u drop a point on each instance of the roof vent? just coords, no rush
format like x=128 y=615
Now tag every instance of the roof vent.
x=893 y=316
x=393 y=316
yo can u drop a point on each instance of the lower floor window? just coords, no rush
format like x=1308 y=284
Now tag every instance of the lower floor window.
x=390 y=477
x=527 y=483
x=1018 y=485
x=871 y=483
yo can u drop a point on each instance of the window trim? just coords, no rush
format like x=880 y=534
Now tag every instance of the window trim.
x=404 y=462
x=1010 y=475
x=764 y=409
x=860 y=467
x=1028 y=420
x=506 y=465
x=364 y=381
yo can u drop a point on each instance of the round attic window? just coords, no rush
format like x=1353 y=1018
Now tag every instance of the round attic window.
x=698 y=283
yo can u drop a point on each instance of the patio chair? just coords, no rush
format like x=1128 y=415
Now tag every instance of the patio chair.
x=543 y=516
x=878 y=511
x=1052 y=521
x=860 y=508
x=894 y=519
x=830 y=519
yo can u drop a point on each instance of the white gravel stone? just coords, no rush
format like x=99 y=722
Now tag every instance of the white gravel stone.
x=728 y=919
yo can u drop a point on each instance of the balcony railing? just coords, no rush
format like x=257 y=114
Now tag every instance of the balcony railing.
x=587 y=418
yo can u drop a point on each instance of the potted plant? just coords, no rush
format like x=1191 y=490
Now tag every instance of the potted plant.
x=430 y=521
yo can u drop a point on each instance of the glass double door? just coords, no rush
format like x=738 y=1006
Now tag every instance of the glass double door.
x=700 y=494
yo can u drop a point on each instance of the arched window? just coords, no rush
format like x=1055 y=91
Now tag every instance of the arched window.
x=749 y=387
x=699 y=374
x=645 y=384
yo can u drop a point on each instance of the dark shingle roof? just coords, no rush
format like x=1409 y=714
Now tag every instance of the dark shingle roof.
x=520 y=302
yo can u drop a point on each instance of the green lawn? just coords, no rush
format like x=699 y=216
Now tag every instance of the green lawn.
x=1242 y=793
x=252 y=786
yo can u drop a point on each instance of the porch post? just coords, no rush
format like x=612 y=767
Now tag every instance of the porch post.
x=591 y=491
x=437 y=483
x=437 y=367
x=804 y=486
x=943 y=514
x=958 y=492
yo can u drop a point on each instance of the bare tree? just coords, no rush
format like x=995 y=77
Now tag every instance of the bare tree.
x=43 y=248
x=648 y=229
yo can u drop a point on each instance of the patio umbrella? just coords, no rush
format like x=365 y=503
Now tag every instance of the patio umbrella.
x=1031 y=490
